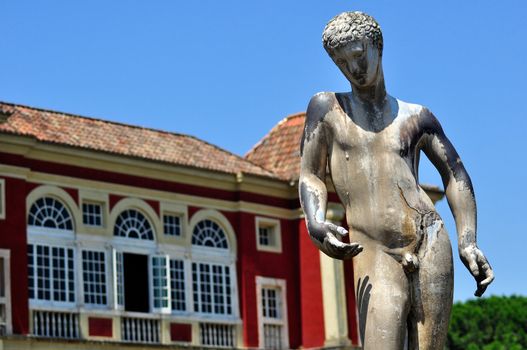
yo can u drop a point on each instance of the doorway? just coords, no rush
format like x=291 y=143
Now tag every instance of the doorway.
x=136 y=296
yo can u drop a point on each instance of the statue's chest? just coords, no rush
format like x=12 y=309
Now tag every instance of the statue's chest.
x=349 y=137
x=398 y=138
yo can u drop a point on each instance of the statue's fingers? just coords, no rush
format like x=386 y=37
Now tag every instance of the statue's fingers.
x=488 y=273
x=481 y=289
x=333 y=240
x=341 y=231
x=332 y=245
x=360 y=248
x=482 y=286
x=353 y=249
x=473 y=266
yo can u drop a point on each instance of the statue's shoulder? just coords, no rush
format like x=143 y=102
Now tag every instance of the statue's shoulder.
x=409 y=110
x=319 y=105
x=426 y=119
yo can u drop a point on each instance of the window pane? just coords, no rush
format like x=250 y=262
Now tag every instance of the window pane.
x=271 y=303
x=92 y=214
x=177 y=284
x=133 y=224
x=160 y=282
x=119 y=278
x=51 y=273
x=207 y=233
x=211 y=285
x=49 y=212
x=172 y=225
x=94 y=275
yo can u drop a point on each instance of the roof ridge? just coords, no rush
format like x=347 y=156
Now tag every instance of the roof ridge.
x=73 y=115
x=67 y=114
x=278 y=125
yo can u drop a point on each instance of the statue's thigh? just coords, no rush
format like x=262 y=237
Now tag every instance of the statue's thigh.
x=382 y=300
x=432 y=294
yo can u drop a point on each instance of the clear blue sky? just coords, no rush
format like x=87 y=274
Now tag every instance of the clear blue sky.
x=227 y=71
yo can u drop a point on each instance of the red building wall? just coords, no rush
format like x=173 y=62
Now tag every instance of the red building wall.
x=13 y=237
x=298 y=263
x=311 y=303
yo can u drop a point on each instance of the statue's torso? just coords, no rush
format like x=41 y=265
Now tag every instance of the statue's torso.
x=375 y=176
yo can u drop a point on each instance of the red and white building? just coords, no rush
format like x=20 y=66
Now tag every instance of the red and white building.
x=112 y=234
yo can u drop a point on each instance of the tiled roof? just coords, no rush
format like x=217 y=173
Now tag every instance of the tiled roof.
x=121 y=139
x=279 y=150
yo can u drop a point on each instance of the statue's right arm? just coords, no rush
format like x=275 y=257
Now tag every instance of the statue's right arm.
x=312 y=182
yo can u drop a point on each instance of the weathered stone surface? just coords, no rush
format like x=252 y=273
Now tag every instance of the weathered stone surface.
x=371 y=143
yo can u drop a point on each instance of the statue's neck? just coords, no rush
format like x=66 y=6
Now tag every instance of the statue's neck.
x=373 y=95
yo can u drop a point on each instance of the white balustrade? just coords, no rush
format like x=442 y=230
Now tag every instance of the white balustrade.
x=272 y=336
x=140 y=330
x=217 y=335
x=52 y=324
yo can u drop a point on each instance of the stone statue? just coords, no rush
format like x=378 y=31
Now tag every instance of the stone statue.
x=370 y=142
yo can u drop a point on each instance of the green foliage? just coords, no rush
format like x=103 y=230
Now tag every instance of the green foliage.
x=494 y=323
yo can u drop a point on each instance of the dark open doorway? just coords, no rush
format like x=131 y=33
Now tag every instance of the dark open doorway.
x=135 y=268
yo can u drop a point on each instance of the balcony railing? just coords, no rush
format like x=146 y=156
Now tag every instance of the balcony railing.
x=217 y=335
x=54 y=324
x=140 y=330
x=272 y=336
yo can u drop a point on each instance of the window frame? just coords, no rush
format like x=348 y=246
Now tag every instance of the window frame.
x=82 y=281
x=218 y=228
x=2 y=200
x=230 y=295
x=180 y=218
x=186 y=285
x=101 y=214
x=55 y=230
x=281 y=285
x=220 y=256
x=35 y=302
x=5 y=254
x=166 y=286
x=143 y=218
x=277 y=233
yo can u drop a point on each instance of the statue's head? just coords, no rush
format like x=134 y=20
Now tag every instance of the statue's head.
x=354 y=42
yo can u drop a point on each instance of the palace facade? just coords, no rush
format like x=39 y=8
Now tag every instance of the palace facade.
x=113 y=235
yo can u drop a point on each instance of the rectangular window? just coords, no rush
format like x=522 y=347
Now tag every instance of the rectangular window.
x=2 y=198
x=119 y=279
x=160 y=283
x=172 y=225
x=272 y=313
x=266 y=236
x=211 y=284
x=5 y=293
x=177 y=285
x=51 y=273
x=269 y=237
x=271 y=303
x=92 y=214
x=94 y=276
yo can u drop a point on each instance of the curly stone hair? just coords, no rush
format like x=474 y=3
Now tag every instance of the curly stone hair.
x=349 y=26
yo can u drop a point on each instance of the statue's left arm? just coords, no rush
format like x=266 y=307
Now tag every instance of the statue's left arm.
x=312 y=183
x=460 y=196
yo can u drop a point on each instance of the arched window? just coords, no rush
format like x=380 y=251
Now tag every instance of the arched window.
x=50 y=213
x=133 y=224
x=207 y=233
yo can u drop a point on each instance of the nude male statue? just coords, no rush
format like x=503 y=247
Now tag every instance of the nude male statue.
x=371 y=142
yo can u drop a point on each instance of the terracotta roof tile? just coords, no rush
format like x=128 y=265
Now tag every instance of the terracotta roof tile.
x=110 y=137
x=279 y=150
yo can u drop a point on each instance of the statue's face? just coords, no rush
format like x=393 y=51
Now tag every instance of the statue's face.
x=359 y=61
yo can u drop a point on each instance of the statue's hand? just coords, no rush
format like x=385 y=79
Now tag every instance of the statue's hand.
x=324 y=235
x=478 y=266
